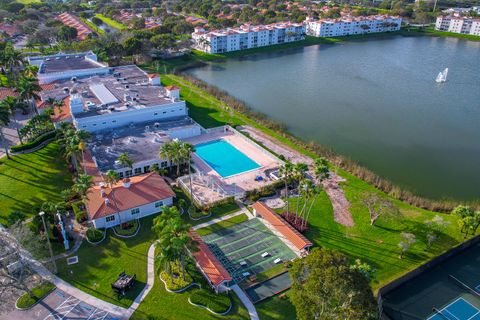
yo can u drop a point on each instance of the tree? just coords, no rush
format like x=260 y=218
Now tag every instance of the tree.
x=378 y=206
x=132 y=45
x=67 y=33
x=408 y=239
x=286 y=172
x=82 y=184
x=97 y=21
x=469 y=220
x=364 y=268
x=13 y=61
x=13 y=104
x=4 y=121
x=325 y=287
x=435 y=225
x=172 y=151
x=174 y=240
x=125 y=160
x=185 y=152
x=28 y=88
x=138 y=23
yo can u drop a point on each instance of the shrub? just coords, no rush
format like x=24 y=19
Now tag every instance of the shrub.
x=127 y=228
x=79 y=211
x=218 y=303
x=95 y=235
x=175 y=280
x=26 y=301
x=15 y=216
x=34 y=143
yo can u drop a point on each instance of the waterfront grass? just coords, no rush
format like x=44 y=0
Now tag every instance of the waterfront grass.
x=362 y=241
x=430 y=31
x=28 y=180
x=222 y=224
x=112 y=23
x=92 y=26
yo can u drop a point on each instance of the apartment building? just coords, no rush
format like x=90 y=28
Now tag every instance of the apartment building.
x=247 y=37
x=458 y=24
x=346 y=26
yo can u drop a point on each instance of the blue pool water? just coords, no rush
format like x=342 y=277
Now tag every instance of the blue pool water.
x=224 y=158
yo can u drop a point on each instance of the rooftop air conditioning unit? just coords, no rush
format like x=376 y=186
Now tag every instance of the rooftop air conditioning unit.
x=157 y=125
x=74 y=79
x=147 y=128
x=132 y=139
x=66 y=89
x=127 y=86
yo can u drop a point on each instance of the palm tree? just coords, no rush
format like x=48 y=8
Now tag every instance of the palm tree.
x=83 y=183
x=186 y=151
x=298 y=175
x=27 y=88
x=286 y=171
x=173 y=238
x=4 y=120
x=172 y=151
x=305 y=191
x=125 y=160
x=111 y=178
x=321 y=169
x=316 y=191
x=13 y=104
x=12 y=59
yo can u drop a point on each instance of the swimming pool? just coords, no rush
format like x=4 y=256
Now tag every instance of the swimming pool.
x=224 y=158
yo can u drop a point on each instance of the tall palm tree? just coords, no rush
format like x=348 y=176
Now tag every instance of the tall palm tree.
x=306 y=188
x=173 y=237
x=13 y=61
x=172 y=151
x=298 y=175
x=315 y=192
x=125 y=160
x=82 y=184
x=111 y=178
x=13 y=104
x=321 y=169
x=4 y=120
x=27 y=88
x=186 y=151
x=286 y=171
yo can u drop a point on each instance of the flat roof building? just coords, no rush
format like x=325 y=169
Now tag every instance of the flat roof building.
x=458 y=24
x=345 y=26
x=247 y=36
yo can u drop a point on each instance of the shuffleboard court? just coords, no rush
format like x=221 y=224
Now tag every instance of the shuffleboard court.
x=269 y=287
x=247 y=248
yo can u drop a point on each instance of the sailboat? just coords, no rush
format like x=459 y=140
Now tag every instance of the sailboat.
x=442 y=76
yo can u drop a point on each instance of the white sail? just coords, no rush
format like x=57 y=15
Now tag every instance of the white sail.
x=442 y=76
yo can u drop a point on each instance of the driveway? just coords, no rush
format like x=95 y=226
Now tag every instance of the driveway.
x=59 y=305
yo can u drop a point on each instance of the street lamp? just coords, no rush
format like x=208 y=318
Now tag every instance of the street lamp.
x=41 y=214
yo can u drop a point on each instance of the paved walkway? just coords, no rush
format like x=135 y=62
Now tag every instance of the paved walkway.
x=10 y=131
x=246 y=302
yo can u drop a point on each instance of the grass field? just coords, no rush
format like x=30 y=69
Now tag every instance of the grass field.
x=430 y=31
x=112 y=23
x=376 y=245
x=100 y=265
x=29 y=1
x=28 y=180
x=93 y=26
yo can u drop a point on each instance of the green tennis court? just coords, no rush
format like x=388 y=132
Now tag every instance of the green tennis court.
x=247 y=248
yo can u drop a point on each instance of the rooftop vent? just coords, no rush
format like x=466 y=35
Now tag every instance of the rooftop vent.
x=157 y=125
x=126 y=183
x=107 y=201
x=147 y=128
x=132 y=139
x=74 y=79
x=66 y=89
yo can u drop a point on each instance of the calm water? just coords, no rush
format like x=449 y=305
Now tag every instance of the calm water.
x=377 y=102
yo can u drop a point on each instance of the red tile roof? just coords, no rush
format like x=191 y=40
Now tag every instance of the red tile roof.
x=207 y=261
x=298 y=240
x=144 y=189
x=170 y=88
x=70 y=20
x=90 y=168
x=5 y=92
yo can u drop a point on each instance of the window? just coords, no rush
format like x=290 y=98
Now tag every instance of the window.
x=110 y=218
x=155 y=114
x=158 y=204
x=128 y=173
x=138 y=170
x=135 y=211
x=146 y=169
x=120 y=174
x=164 y=164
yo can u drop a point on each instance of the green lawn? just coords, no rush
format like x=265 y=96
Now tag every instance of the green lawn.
x=93 y=26
x=430 y=31
x=160 y=304
x=29 y=1
x=26 y=301
x=100 y=265
x=277 y=307
x=377 y=245
x=28 y=180
x=222 y=224
x=112 y=23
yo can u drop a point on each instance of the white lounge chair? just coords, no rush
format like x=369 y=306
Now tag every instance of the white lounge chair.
x=265 y=254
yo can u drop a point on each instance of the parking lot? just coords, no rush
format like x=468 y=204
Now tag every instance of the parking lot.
x=58 y=306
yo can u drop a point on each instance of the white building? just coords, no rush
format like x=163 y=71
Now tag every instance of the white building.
x=247 y=37
x=346 y=26
x=458 y=24
x=121 y=96
x=65 y=66
x=131 y=199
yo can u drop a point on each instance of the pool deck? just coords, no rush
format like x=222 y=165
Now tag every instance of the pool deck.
x=237 y=183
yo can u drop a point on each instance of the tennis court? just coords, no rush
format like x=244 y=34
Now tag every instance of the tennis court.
x=460 y=309
x=247 y=248
x=268 y=288
x=447 y=291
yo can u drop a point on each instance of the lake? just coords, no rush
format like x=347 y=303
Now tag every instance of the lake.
x=377 y=102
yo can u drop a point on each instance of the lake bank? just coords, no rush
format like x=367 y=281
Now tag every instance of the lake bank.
x=339 y=92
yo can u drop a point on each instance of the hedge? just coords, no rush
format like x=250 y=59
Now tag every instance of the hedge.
x=35 y=143
x=26 y=301
x=218 y=303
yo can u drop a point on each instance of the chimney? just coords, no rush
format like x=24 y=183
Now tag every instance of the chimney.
x=126 y=183
x=107 y=201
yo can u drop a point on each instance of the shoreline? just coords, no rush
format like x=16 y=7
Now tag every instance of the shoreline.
x=312 y=149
